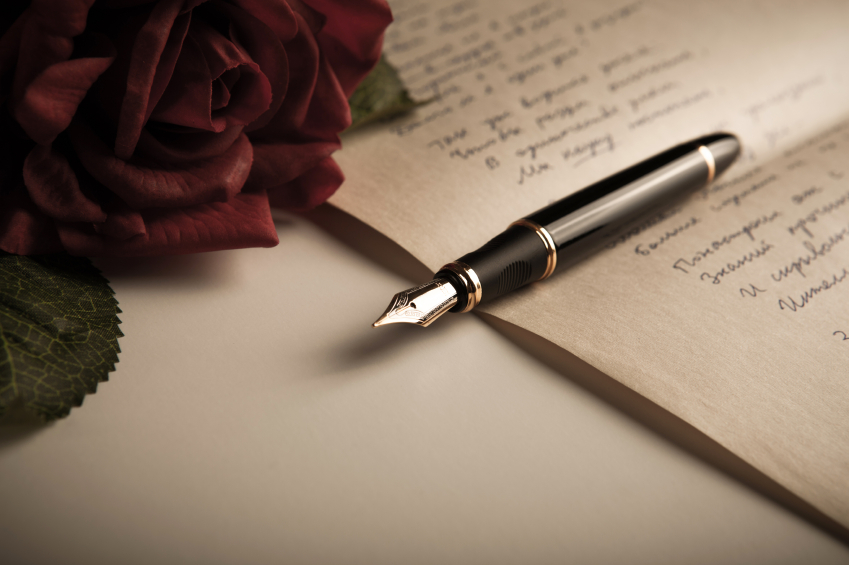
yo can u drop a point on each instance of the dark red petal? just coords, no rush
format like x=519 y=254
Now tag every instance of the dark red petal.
x=54 y=187
x=277 y=16
x=303 y=74
x=50 y=101
x=279 y=163
x=186 y=100
x=329 y=112
x=149 y=46
x=206 y=57
x=257 y=38
x=180 y=147
x=315 y=107
x=310 y=20
x=47 y=37
x=352 y=38
x=10 y=45
x=310 y=189
x=149 y=184
x=122 y=222
x=168 y=62
x=24 y=230
x=244 y=221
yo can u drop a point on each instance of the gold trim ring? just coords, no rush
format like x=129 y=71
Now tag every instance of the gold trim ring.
x=547 y=241
x=711 y=162
x=470 y=280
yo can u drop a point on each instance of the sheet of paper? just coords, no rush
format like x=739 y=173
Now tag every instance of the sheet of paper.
x=731 y=309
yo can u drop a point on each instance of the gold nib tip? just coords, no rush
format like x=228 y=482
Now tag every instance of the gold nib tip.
x=420 y=305
x=382 y=321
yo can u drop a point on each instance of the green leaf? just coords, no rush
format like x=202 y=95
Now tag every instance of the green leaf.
x=381 y=95
x=58 y=332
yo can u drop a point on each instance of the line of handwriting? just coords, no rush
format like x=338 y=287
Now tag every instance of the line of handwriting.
x=549 y=94
x=670 y=109
x=560 y=113
x=716 y=245
x=805 y=194
x=814 y=253
x=716 y=277
x=814 y=215
x=647 y=248
x=742 y=195
x=532 y=149
x=649 y=70
x=812 y=292
x=583 y=152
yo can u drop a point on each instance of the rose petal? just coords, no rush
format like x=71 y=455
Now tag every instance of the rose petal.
x=50 y=101
x=310 y=20
x=315 y=107
x=352 y=38
x=10 y=44
x=244 y=221
x=205 y=58
x=186 y=100
x=277 y=16
x=54 y=188
x=310 y=189
x=111 y=89
x=47 y=37
x=279 y=163
x=328 y=112
x=14 y=148
x=303 y=73
x=148 y=48
x=149 y=184
x=122 y=222
x=257 y=37
x=169 y=147
x=24 y=230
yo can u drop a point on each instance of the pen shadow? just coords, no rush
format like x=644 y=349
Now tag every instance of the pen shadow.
x=377 y=345
x=663 y=423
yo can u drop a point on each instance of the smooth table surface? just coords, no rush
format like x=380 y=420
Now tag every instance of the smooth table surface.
x=256 y=417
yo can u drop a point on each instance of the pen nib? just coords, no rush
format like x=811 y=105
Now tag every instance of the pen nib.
x=420 y=305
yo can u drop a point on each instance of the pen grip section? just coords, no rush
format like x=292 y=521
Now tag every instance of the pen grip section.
x=510 y=260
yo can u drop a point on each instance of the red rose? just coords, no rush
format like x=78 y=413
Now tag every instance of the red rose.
x=139 y=127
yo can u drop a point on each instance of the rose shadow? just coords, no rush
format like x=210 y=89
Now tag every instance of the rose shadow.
x=199 y=270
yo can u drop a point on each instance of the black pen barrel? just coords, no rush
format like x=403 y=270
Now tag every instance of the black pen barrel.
x=566 y=231
x=595 y=212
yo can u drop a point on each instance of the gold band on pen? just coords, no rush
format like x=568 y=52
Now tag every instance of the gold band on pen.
x=711 y=162
x=547 y=241
x=471 y=283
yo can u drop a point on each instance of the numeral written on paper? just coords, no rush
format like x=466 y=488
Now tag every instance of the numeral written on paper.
x=841 y=335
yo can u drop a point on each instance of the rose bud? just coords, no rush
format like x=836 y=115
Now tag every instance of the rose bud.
x=136 y=127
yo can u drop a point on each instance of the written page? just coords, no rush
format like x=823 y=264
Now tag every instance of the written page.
x=729 y=308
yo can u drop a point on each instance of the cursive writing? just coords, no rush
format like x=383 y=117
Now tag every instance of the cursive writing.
x=716 y=277
x=806 y=297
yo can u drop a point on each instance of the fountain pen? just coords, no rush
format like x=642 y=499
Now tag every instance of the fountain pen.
x=564 y=232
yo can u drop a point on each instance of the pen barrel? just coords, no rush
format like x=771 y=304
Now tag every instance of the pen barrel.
x=584 y=221
x=566 y=231
x=511 y=259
